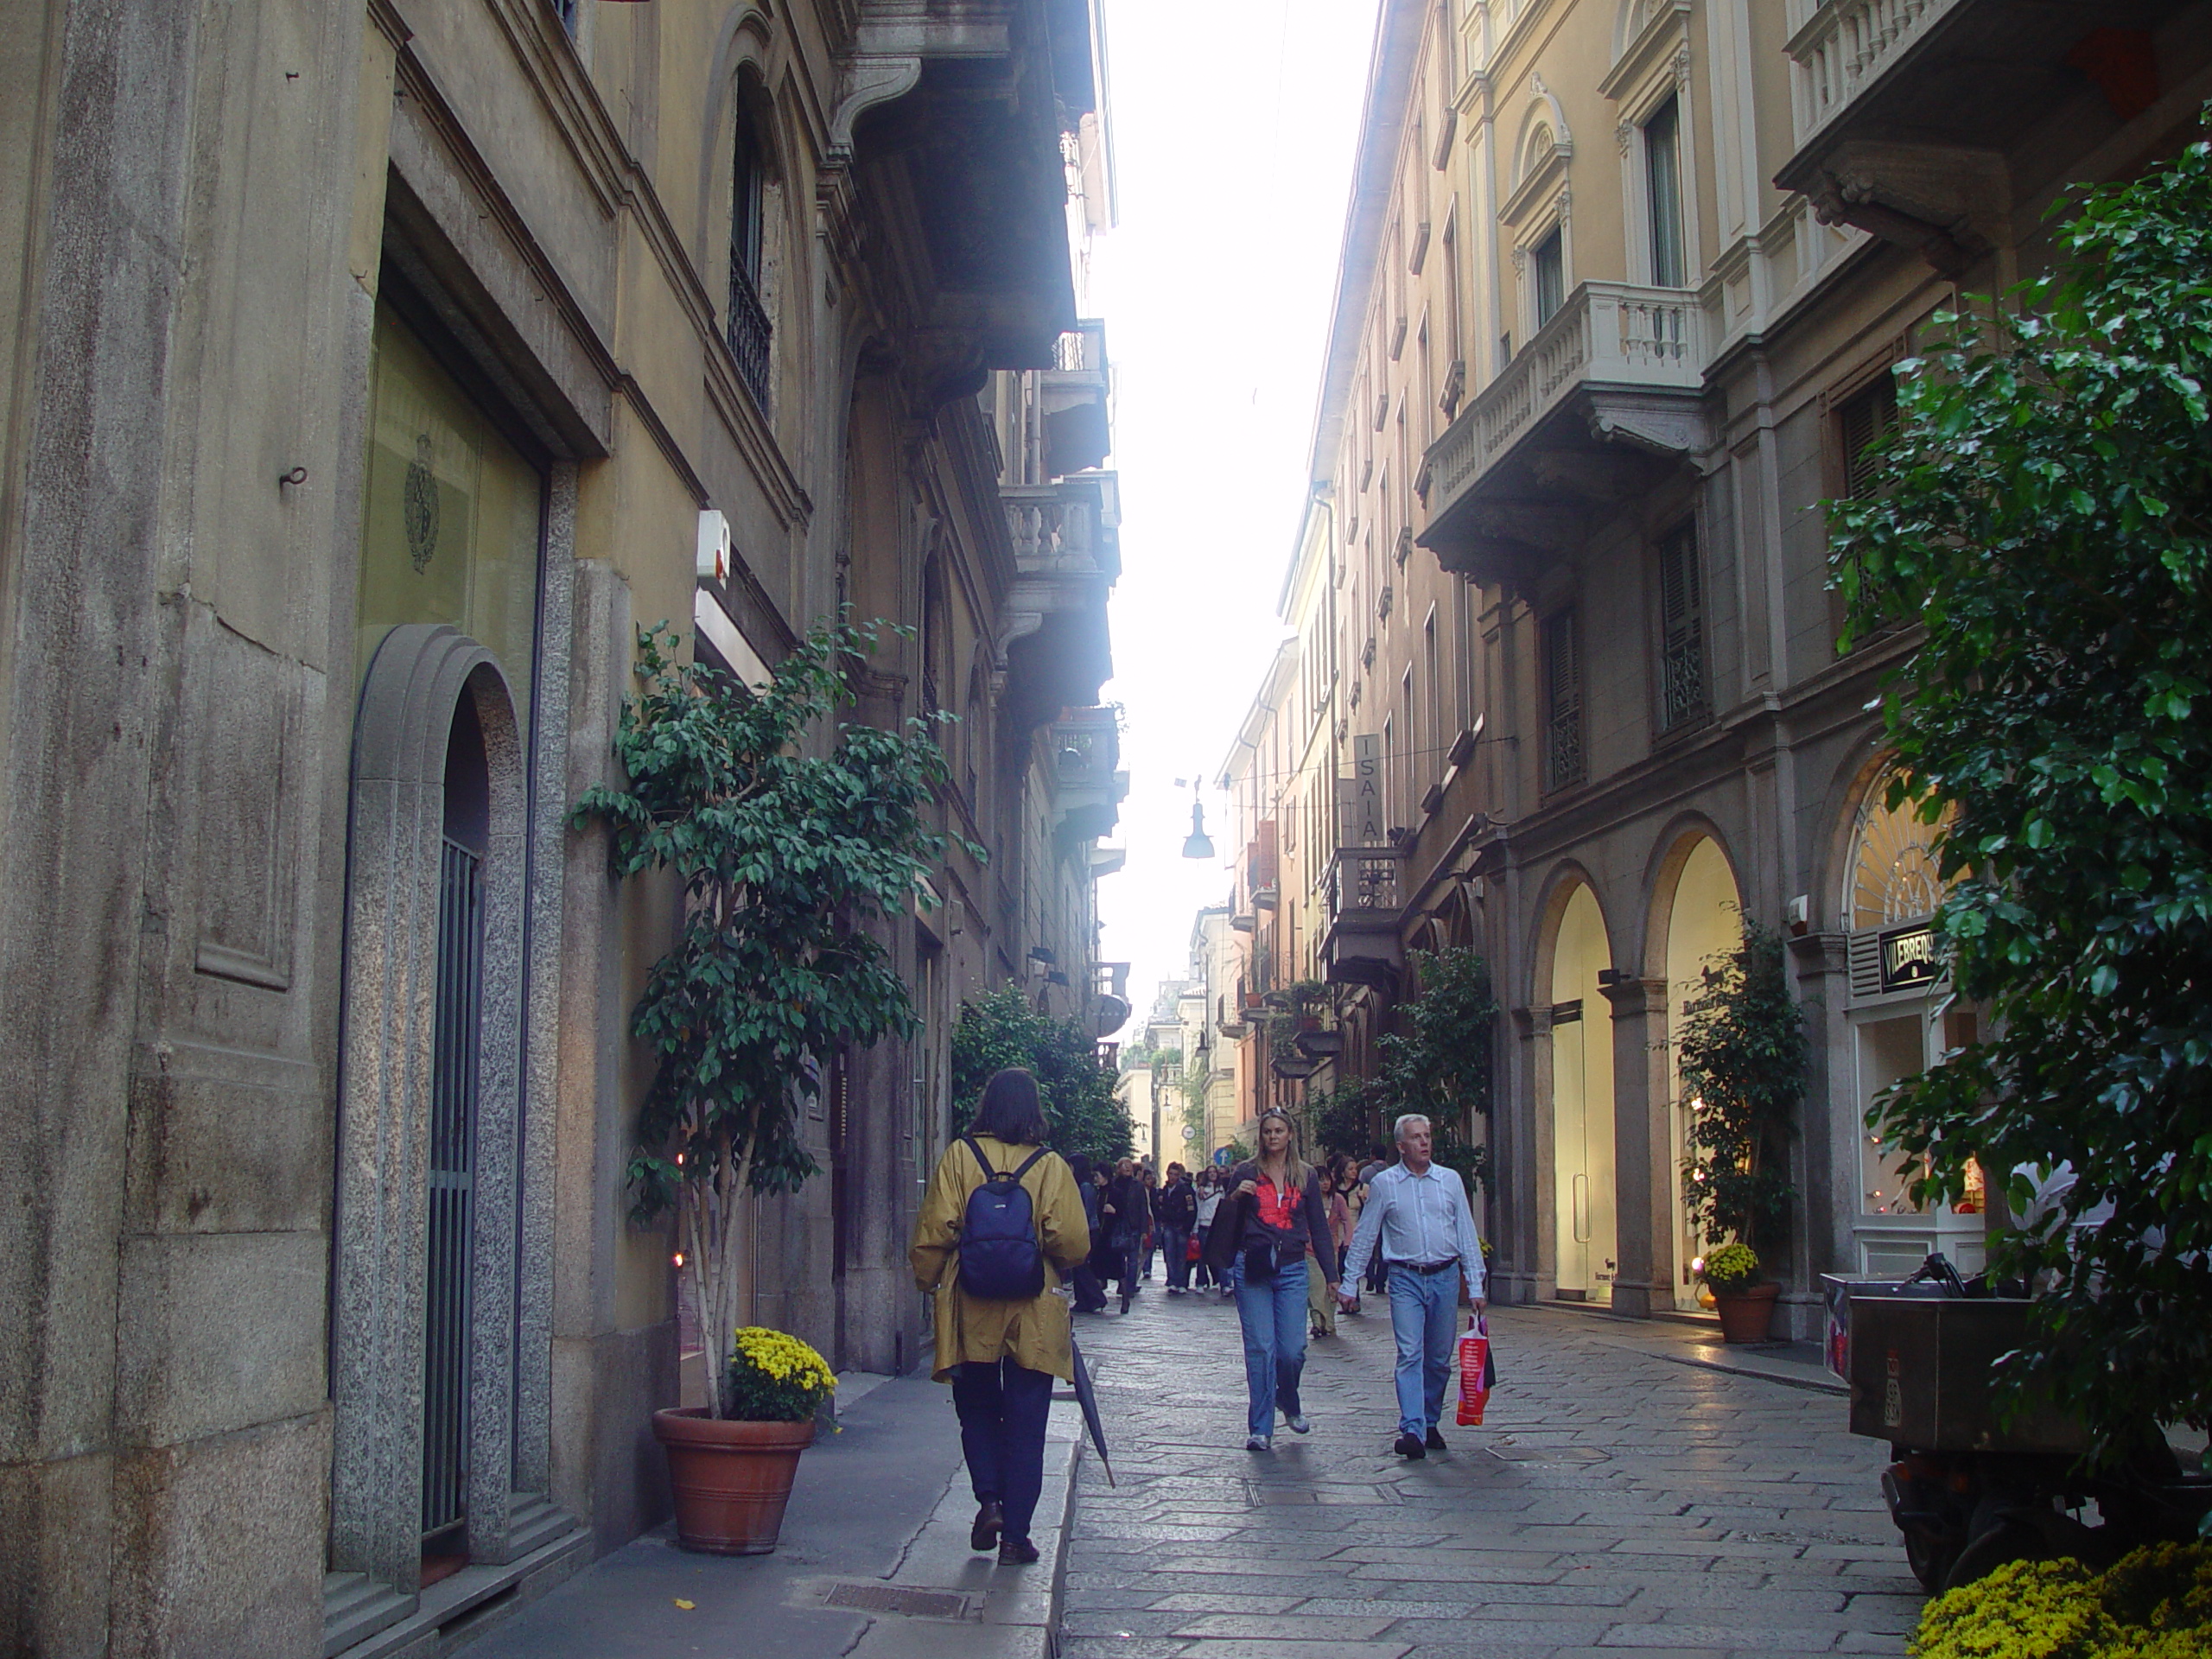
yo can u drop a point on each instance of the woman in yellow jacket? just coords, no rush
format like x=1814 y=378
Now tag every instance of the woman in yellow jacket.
x=1000 y=1356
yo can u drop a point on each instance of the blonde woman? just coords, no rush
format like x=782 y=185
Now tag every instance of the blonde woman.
x=1273 y=1217
x=1000 y=1355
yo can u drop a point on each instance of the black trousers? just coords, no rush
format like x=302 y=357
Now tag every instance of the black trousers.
x=1003 y=1409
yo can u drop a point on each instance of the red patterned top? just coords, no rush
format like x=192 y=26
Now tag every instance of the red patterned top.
x=1278 y=1208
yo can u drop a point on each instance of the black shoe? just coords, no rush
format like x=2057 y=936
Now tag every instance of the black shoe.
x=983 y=1536
x=1125 y=1300
x=1017 y=1552
x=1409 y=1447
x=1434 y=1442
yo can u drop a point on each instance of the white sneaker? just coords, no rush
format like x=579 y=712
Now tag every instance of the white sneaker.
x=1259 y=1442
x=1296 y=1424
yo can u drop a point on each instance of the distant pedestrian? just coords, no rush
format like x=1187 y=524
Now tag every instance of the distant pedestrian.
x=1209 y=1194
x=1417 y=1219
x=1175 y=1212
x=1001 y=1353
x=1321 y=1295
x=1090 y=1296
x=1128 y=1212
x=1272 y=1215
x=1152 y=1207
x=1373 y=1265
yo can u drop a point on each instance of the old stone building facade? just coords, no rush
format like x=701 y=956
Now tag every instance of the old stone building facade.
x=370 y=375
x=1622 y=285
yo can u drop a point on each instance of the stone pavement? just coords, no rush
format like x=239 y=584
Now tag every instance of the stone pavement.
x=873 y=1562
x=1618 y=1501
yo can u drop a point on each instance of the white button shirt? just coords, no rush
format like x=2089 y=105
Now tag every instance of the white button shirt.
x=1421 y=1219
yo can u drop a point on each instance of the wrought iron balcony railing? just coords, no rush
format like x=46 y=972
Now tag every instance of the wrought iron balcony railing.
x=750 y=330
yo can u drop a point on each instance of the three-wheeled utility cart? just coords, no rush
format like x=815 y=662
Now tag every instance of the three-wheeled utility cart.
x=1970 y=1488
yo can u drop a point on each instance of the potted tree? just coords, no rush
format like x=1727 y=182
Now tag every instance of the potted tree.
x=1742 y=1055
x=794 y=846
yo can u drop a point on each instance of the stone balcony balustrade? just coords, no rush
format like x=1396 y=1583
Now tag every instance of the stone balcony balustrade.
x=1053 y=648
x=1608 y=388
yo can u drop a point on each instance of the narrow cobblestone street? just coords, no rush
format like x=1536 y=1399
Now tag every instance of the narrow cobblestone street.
x=1614 y=1501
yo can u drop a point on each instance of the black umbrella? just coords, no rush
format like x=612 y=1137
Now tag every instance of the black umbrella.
x=1087 y=1397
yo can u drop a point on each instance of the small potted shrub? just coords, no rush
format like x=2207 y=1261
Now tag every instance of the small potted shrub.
x=1744 y=1302
x=733 y=1473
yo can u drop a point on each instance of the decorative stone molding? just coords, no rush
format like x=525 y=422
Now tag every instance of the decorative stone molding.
x=1947 y=204
x=863 y=83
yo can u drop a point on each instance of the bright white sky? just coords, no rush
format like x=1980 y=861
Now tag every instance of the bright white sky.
x=1233 y=122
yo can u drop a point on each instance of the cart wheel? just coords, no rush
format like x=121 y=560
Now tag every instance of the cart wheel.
x=1930 y=1560
x=2005 y=1542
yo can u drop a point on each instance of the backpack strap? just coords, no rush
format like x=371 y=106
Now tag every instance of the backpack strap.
x=989 y=1174
x=1030 y=1162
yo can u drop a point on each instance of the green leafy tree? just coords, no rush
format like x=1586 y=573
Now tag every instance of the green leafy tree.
x=1743 y=1056
x=1001 y=1029
x=1337 y=1119
x=1440 y=1064
x=2043 y=515
x=786 y=859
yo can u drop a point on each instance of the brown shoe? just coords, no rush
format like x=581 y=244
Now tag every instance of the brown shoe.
x=1016 y=1551
x=985 y=1534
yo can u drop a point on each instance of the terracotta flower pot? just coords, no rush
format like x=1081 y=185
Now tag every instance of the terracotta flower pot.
x=732 y=1480
x=1747 y=1312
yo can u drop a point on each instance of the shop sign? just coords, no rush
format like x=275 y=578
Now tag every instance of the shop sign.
x=1909 y=958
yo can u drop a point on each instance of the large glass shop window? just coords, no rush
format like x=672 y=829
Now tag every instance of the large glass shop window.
x=453 y=519
x=1904 y=1019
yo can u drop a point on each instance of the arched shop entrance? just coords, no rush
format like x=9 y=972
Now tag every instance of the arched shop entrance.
x=1902 y=1018
x=1705 y=922
x=1587 y=1244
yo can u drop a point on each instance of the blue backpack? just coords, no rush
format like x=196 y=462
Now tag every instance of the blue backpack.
x=999 y=1261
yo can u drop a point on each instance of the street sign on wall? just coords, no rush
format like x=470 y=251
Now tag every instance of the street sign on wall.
x=1359 y=798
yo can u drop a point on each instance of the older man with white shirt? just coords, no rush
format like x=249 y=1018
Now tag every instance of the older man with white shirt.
x=1418 y=1210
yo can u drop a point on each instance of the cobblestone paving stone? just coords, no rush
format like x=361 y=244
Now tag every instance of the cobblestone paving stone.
x=1613 y=1503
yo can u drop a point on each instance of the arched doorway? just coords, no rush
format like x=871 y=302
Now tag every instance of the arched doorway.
x=1704 y=921
x=1901 y=1020
x=1582 y=1104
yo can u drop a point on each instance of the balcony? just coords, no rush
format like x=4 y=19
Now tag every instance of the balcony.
x=1067 y=546
x=1594 y=409
x=1084 y=745
x=1073 y=396
x=1903 y=111
x=1361 y=946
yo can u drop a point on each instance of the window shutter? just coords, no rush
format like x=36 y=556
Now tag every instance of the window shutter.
x=1866 y=420
x=1563 y=702
x=1681 y=630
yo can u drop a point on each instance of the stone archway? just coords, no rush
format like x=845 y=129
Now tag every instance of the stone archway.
x=1699 y=914
x=411 y=706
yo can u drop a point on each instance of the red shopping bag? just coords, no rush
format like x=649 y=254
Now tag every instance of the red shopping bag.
x=1191 y=1250
x=1474 y=1372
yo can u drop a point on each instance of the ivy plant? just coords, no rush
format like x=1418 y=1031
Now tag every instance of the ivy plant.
x=1743 y=1057
x=2043 y=516
x=795 y=844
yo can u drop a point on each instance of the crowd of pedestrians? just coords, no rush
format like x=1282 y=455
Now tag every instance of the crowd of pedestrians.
x=1007 y=1223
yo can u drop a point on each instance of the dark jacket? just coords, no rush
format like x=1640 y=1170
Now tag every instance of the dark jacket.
x=1132 y=1216
x=1237 y=1226
x=1177 y=1205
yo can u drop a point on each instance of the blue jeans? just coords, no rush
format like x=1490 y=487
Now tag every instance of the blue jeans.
x=1423 y=1308
x=1175 y=1245
x=1003 y=1409
x=1273 y=1313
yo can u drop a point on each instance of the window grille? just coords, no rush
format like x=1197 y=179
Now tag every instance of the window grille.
x=749 y=328
x=1681 y=627
x=1563 y=765
x=449 y=1277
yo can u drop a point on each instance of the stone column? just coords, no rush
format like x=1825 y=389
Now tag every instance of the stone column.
x=1535 y=1234
x=1825 y=1155
x=1642 y=1197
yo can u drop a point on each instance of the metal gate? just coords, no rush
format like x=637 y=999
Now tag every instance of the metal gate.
x=449 y=1294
